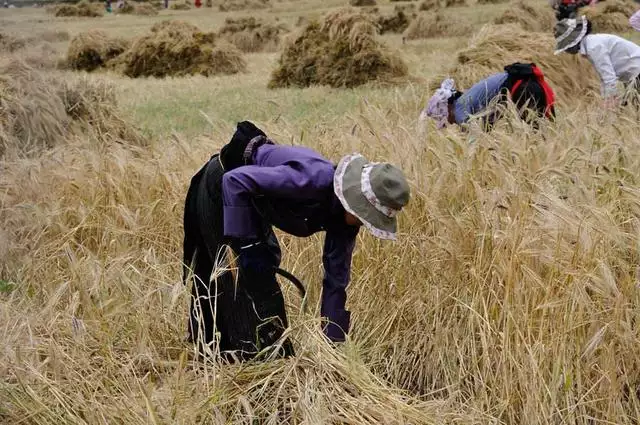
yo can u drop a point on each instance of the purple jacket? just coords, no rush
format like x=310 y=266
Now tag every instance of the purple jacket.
x=296 y=185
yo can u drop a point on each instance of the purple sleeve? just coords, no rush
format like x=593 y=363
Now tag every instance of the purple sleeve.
x=338 y=250
x=296 y=181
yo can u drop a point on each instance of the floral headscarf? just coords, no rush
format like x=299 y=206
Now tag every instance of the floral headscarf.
x=437 y=107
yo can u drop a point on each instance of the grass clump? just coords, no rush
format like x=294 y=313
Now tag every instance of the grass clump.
x=39 y=111
x=436 y=24
x=235 y=5
x=180 y=6
x=427 y=5
x=83 y=9
x=251 y=34
x=610 y=17
x=9 y=43
x=398 y=21
x=531 y=17
x=340 y=51
x=174 y=48
x=140 y=9
x=93 y=49
x=360 y=3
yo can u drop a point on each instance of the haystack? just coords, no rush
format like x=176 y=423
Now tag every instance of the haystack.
x=340 y=51
x=81 y=9
x=359 y=3
x=498 y=45
x=610 y=17
x=429 y=5
x=180 y=6
x=251 y=34
x=175 y=26
x=538 y=17
x=140 y=9
x=233 y=5
x=398 y=21
x=175 y=49
x=436 y=25
x=454 y=3
x=39 y=110
x=9 y=43
x=91 y=50
x=491 y=1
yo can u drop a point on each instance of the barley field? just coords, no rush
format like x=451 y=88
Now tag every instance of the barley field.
x=511 y=297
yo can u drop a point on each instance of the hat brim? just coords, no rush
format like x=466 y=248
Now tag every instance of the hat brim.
x=573 y=38
x=348 y=188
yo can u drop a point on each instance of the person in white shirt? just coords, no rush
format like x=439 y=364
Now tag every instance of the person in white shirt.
x=614 y=58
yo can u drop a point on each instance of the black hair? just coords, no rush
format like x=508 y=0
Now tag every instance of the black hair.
x=589 y=27
x=455 y=96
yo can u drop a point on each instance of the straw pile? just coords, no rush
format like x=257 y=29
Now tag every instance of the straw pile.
x=360 y=3
x=341 y=51
x=9 y=43
x=530 y=17
x=398 y=21
x=38 y=111
x=175 y=48
x=140 y=9
x=233 y=5
x=436 y=25
x=454 y=3
x=180 y=6
x=82 y=9
x=610 y=17
x=427 y=5
x=498 y=45
x=93 y=49
x=491 y=1
x=251 y=34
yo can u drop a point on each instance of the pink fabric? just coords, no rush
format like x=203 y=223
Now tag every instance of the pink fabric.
x=635 y=20
x=437 y=107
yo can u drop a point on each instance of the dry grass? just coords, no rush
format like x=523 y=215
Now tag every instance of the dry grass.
x=427 y=5
x=10 y=43
x=510 y=298
x=82 y=9
x=358 y=3
x=530 y=16
x=234 y=5
x=174 y=48
x=141 y=9
x=93 y=49
x=251 y=34
x=610 y=17
x=438 y=24
x=398 y=21
x=498 y=45
x=179 y=6
x=342 y=51
x=38 y=111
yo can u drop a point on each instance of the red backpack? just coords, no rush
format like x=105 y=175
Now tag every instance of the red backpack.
x=520 y=72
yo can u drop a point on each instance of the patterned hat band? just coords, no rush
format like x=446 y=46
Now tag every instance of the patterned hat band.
x=367 y=190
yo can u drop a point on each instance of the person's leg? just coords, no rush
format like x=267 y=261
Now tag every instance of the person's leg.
x=258 y=317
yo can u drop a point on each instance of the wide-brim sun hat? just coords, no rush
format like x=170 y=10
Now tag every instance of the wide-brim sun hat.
x=569 y=33
x=373 y=192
